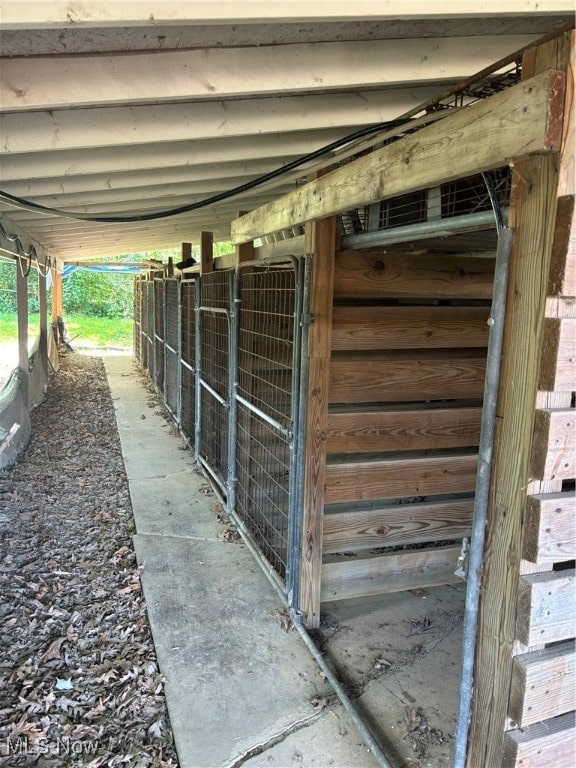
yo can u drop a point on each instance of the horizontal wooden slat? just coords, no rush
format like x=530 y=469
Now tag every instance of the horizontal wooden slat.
x=372 y=275
x=561 y=306
x=392 y=526
x=373 y=381
x=517 y=122
x=543 y=684
x=404 y=430
x=554 y=444
x=395 y=478
x=546 y=605
x=409 y=327
x=389 y=573
x=551 y=744
x=550 y=528
x=558 y=358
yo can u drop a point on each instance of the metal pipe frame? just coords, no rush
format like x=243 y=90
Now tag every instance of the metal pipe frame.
x=284 y=431
x=215 y=394
x=481 y=499
x=198 y=366
x=468 y=222
x=233 y=341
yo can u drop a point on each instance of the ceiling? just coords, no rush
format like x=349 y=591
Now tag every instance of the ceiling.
x=137 y=107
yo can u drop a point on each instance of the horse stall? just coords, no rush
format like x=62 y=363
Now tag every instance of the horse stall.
x=331 y=378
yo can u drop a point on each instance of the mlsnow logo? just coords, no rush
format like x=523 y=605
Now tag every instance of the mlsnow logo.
x=60 y=747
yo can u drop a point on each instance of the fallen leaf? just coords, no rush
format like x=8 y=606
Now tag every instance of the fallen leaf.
x=53 y=650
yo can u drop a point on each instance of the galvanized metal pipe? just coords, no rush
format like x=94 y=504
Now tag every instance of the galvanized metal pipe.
x=284 y=431
x=233 y=344
x=198 y=367
x=213 y=392
x=454 y=225
x=496 y=322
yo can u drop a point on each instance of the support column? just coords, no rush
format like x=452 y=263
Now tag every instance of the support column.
x=320 y=247
x=22 y=308
x=56 y=294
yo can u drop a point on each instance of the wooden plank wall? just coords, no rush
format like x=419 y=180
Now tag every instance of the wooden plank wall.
x=409 y=338
x=523 y=707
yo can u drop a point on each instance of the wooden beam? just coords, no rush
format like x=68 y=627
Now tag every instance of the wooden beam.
x=394 y=526
x=550 y=528
x=519 y=122
x=543 y=684
x=567 y=179
x=389 y=573
x=422 y=377
x=371 y=429
x=374 y=327
x=550 y=744
x=349 y=481
x=92 y=80
x=532 y=217
x=320 y=247
x=206 y=252
x=546 y=607
x=558 y=358
x=554 y=446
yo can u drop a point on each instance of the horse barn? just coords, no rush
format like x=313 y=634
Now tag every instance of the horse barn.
x=377 y=380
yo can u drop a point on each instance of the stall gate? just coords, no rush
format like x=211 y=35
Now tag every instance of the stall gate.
x=223 y=351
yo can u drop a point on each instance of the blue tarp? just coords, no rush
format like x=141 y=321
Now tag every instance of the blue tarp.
x=69 y=269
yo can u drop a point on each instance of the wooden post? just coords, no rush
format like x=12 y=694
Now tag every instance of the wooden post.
x=57 y=303
x=43 y=310
x=532 y=216
x=244 y=251
x=206 y=252
x=22 y=308
x=320 y=247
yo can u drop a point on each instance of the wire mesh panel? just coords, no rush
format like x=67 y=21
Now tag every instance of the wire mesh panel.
x=171 y=348
x=148 y=327
x=214 y=380
x=137 y=314
x=265 y=371
x=187 y=419
x=159 y=334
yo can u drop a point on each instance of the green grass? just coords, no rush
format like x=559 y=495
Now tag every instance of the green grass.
x=85 y=331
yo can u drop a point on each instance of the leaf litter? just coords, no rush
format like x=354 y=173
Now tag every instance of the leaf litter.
x=79 y=679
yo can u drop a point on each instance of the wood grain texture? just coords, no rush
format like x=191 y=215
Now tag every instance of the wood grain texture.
x=373 y=381
x=558 y=356
x=404 y=430
x=320 y=246
x=543 y=684
x=533 y=209
x=567 y=180
x=550 y=528
x=389 y=573
x=550 y=744
x=562 y=278
x=546 y=607
x=409 y=327
x=399 y=525
x=395 y=478
x=517 y=122
x=376 y=275
x=206 y=253
x=554 y=444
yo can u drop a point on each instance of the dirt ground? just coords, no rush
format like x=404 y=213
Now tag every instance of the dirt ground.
x=79 y=680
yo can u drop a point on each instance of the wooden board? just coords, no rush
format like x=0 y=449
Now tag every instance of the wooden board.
x=517 y=122
x=395 y=478
x=562 y=278
x=550 y=528
x=370 y=430
x=376 y=275
x=558 y=357
x=409 y=327
x=554 y=445
x=543 y=684
x=403 y=380
x=392 y=526
x=551 y=744
x=389 y=573
x=546 y=607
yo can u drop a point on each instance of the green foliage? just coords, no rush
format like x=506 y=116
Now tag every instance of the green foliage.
x=98 y=294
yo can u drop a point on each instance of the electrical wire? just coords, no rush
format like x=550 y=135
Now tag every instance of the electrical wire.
x=105 y=218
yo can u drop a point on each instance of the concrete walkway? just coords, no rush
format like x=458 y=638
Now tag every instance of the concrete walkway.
x=240 y=690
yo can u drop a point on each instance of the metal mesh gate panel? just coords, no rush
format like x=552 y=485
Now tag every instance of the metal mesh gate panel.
x=137 y=315
x=188 y=358
x=148 y=327
x=214 y=379
x=171 y=363
x=159 y=334
x=265 y=369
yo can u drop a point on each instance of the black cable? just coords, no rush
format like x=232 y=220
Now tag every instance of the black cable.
x=494 y=199
x=217 y=198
